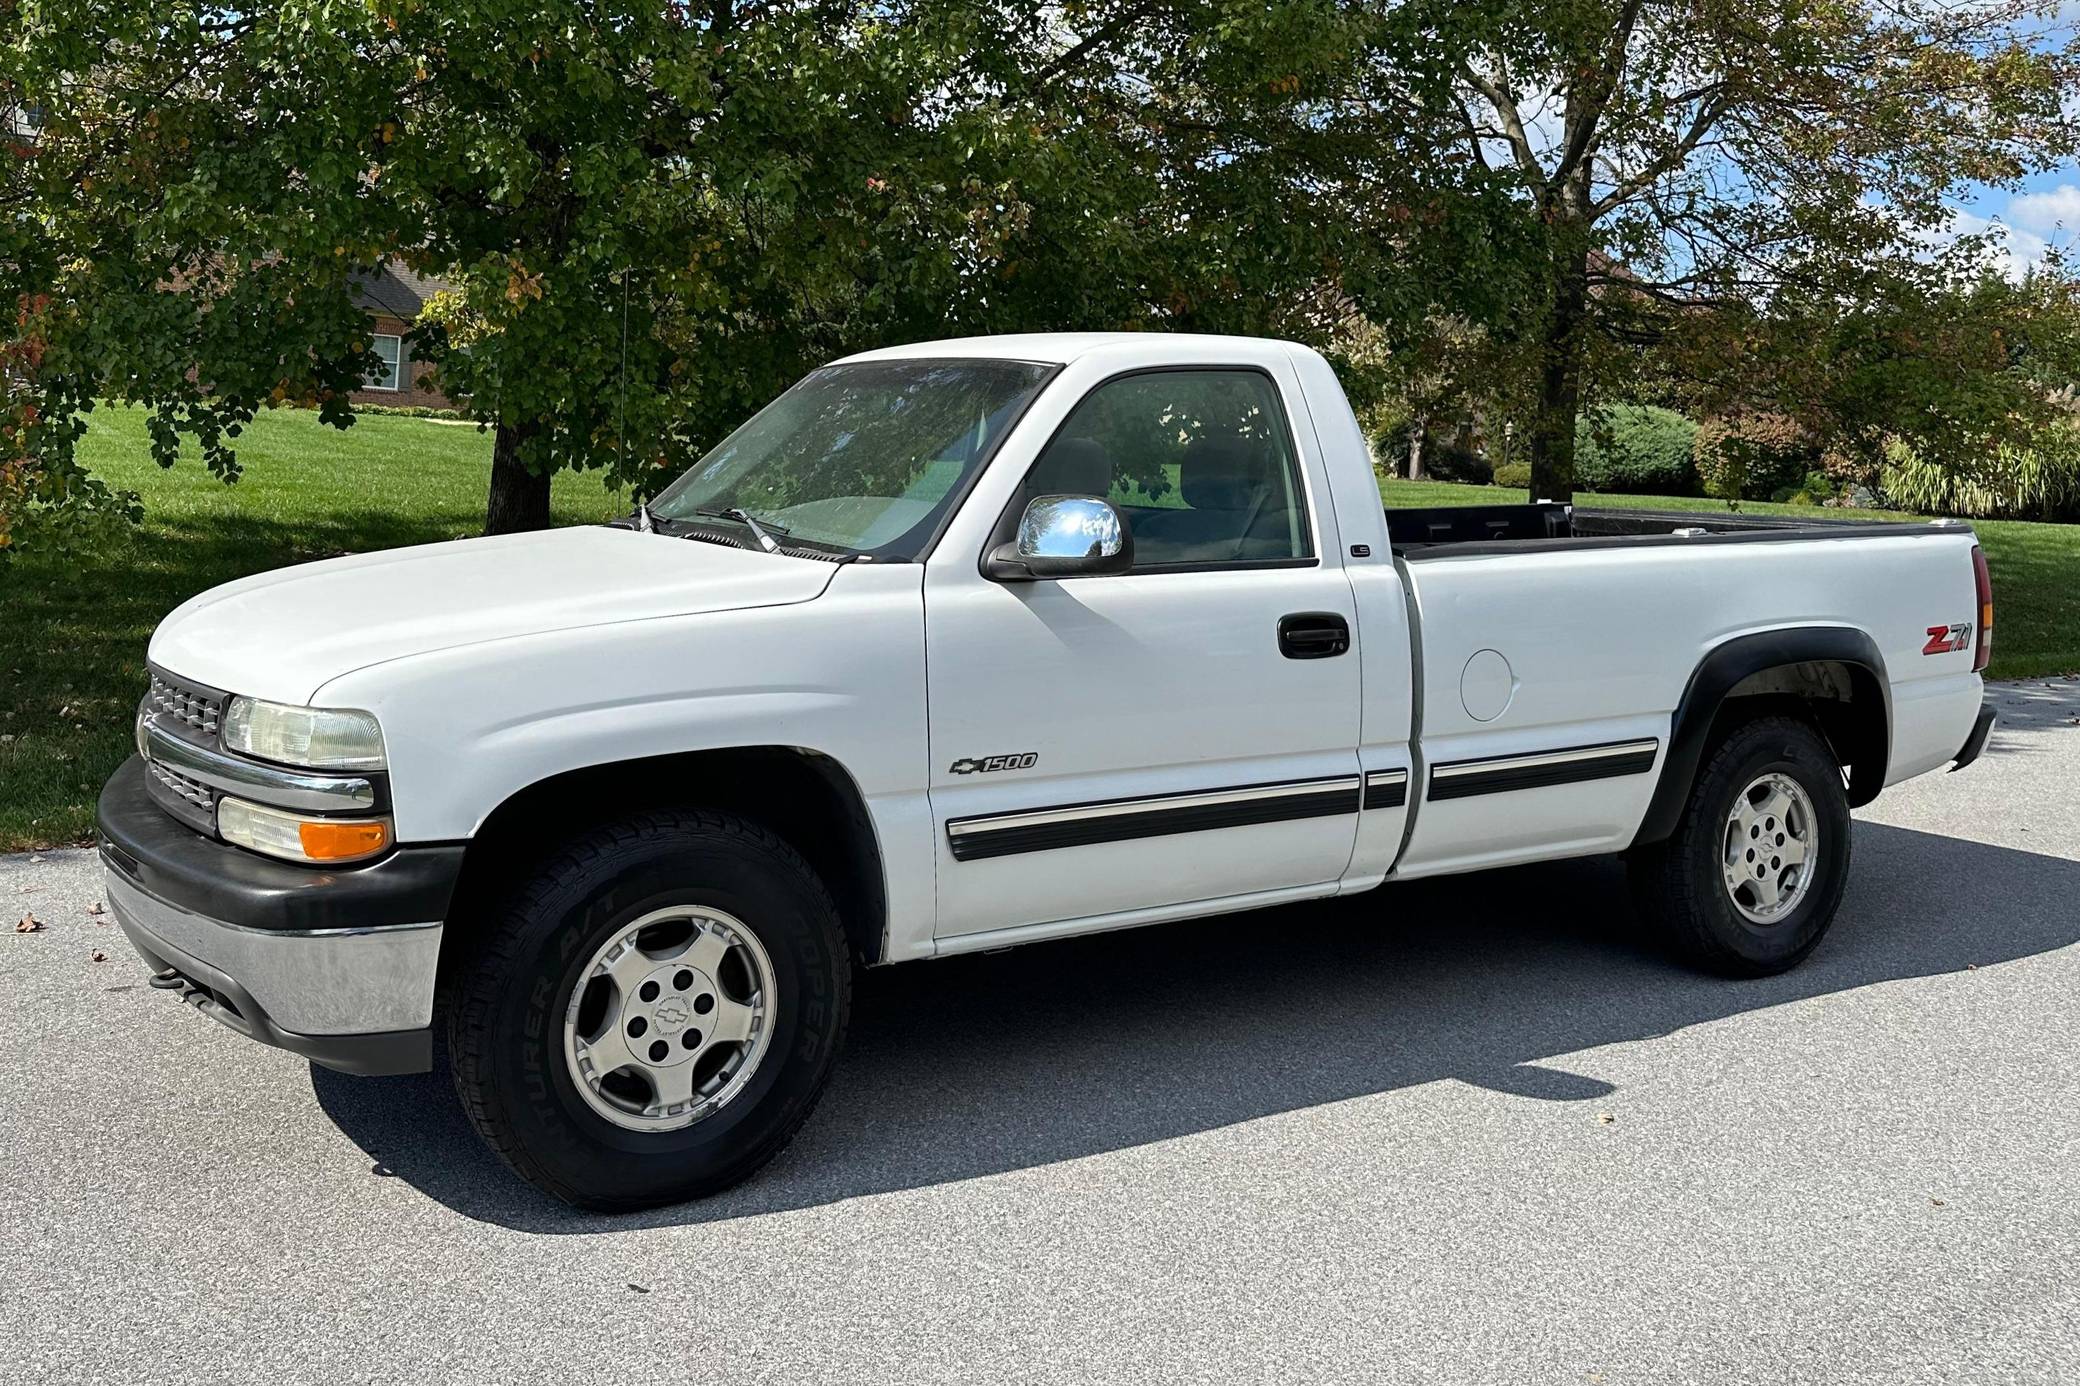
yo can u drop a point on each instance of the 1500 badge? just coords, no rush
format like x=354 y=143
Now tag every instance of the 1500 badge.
x=1017 y=760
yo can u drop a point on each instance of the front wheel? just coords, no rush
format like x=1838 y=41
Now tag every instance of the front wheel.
x=654 y=1014
x=1750 y=881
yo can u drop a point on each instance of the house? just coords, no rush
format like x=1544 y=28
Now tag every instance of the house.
x=392 y=297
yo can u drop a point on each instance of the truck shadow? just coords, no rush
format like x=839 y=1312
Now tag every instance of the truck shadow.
x=981 y=1065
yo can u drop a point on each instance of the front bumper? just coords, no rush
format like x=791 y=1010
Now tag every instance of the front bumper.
x=336 y=965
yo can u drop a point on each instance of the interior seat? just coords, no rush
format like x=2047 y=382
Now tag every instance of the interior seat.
x=1237 y=508
x=1069 y=467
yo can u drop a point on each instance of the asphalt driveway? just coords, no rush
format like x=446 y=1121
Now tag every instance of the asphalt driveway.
x=1467 y=1131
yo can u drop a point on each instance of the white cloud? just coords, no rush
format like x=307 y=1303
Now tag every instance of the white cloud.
x=2010 y=249
x=2046 y=211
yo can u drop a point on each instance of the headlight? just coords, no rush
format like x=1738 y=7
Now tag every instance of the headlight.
x=297 y=837
x=318 y=737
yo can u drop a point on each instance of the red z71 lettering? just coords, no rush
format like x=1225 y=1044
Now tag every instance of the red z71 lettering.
x=1946 y=639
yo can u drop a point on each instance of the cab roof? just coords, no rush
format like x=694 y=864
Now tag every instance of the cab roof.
x=1060 y=348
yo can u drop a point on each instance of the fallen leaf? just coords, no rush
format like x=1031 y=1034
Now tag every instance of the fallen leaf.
x=97 y=909
x=639 y=1289
x=1606 y=1118
x=29 y=924
x=34 y=860
x=99 y=956
x=1937 y=1201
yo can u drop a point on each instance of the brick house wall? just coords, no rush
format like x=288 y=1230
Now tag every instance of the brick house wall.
x=392 y=296
x=414 y=389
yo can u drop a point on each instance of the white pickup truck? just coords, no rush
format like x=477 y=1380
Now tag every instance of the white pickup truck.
x=969 y=644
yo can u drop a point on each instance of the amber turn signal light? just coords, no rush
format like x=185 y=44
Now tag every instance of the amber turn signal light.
x=294 y=837
x=327 y=840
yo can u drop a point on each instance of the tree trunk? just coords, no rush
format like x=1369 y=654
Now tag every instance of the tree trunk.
x=519 y=498
x=1560 y=376
x=1415 y=450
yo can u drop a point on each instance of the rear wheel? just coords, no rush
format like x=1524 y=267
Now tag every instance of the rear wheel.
x=654 y=1014
x=1750 y=881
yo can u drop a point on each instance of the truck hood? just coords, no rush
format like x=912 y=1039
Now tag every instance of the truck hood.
x=285 y=634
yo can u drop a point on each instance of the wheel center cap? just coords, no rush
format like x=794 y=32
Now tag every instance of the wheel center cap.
x=671 y=1014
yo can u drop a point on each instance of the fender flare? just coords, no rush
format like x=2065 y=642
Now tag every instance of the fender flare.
x=777 y=784
x=1723 y=669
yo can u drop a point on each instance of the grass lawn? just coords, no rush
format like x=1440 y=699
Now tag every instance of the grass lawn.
x=2036 y=568
x=73 y=628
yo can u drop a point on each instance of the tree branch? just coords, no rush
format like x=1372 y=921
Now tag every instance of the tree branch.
x=1505 y=106
x=1700 y=125
x=1583 y=118
x=1074 y=54
x=1473 y=135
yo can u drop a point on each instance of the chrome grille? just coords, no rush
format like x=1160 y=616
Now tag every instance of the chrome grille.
x=192 y=803
x=198 y=710
x=183 y=788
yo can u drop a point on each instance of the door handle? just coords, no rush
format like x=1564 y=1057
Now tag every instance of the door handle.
x=1313 y=635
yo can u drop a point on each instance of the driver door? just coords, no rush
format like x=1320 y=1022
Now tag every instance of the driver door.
x=1108 y=745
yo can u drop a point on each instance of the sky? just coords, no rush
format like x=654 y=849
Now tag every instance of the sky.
x=2043 y=212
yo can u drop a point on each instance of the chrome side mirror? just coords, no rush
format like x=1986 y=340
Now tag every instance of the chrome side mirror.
x=1064 y=536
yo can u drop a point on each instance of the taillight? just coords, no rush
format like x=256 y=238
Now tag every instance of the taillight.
x=1983 y=580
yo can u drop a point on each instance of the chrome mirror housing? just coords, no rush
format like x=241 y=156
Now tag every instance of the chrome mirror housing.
x=1065 y=536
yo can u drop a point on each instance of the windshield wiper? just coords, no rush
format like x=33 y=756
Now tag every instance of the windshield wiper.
x=745 y=518
x=764 y=530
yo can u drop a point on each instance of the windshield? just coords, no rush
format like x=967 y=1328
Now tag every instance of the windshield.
x=866 y=457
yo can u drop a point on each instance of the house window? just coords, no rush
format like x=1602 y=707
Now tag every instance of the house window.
x=386 y=352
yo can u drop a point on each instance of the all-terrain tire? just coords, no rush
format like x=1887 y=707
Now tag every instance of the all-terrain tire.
x=1682 y=886
x=506 y=1019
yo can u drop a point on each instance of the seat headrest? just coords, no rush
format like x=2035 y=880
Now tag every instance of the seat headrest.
x=1221 y=473
x=1072 y=467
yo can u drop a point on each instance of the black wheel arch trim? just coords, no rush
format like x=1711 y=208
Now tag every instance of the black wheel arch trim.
x=1722 y=670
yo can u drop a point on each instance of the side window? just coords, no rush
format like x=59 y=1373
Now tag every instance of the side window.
x=1199 y=463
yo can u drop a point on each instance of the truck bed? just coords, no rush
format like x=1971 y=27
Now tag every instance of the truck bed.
x=1470 y=529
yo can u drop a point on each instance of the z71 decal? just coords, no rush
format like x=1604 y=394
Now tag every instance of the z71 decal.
x=1948 y=639
x=1017 y=760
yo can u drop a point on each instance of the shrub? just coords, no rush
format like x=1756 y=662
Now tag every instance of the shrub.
x=2037 y=483
x=1846 y=468
x=1389 y=442
x=1444 y=462
x=1636 y=448
x=400 y=411
x=1753 y=456
x=1515 y=475
x=1816 y=489
x=1443 y=459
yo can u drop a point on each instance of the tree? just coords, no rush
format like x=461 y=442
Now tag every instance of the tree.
x=648 y=212
x=654 y=216
x=149 y=251
x=1691 y=157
